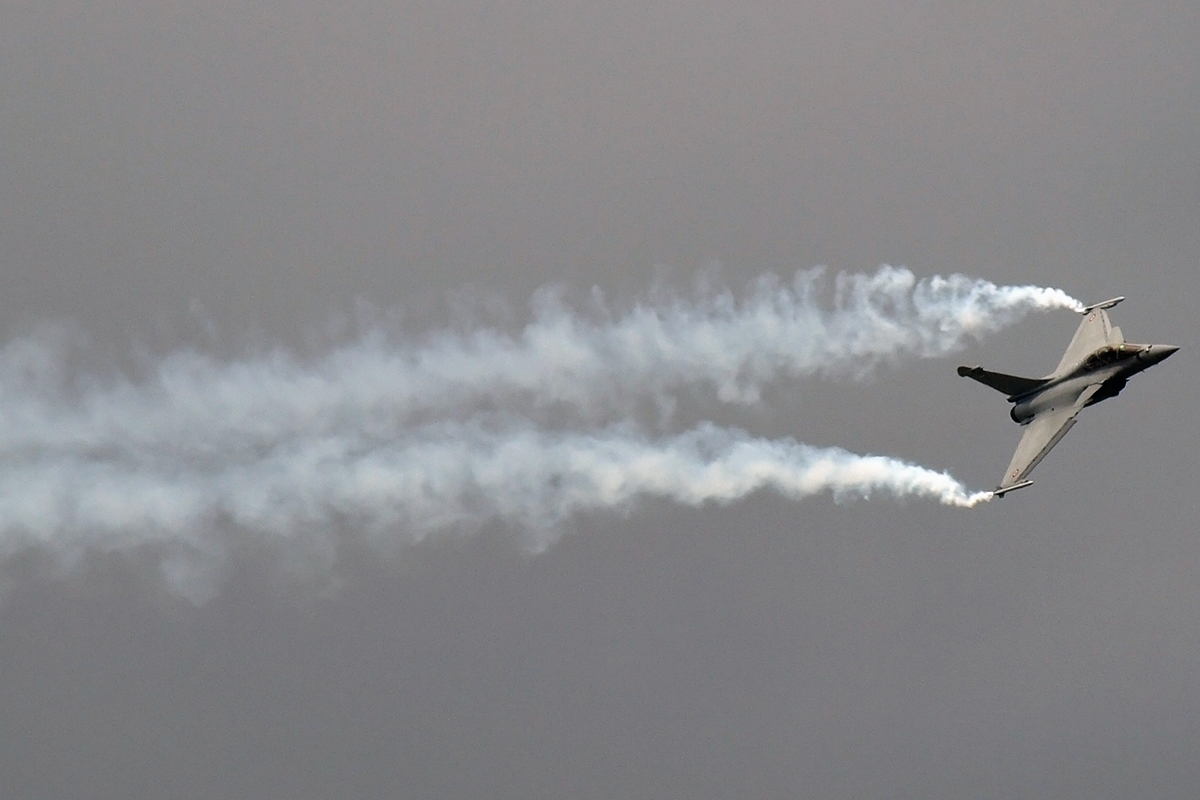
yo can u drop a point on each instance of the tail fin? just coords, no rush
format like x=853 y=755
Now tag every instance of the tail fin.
x=1011 y=385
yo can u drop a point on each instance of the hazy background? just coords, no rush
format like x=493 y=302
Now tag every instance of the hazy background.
x=239 y=175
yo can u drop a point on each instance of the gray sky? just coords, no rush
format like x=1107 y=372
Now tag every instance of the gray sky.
x=233 y=176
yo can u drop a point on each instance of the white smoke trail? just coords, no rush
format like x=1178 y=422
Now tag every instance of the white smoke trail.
x=444 y=475
x=406 y=438
x=562 y=359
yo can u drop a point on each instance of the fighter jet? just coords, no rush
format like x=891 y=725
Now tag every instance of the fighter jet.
x=1096 y=366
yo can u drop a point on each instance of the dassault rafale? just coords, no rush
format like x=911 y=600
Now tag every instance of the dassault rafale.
x=1096 y=366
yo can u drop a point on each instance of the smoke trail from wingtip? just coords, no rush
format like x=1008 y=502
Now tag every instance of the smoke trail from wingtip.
x=451 y=431
x=441 y=476
x=594 y=367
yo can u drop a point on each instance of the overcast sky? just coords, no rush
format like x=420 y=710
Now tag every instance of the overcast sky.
x=236 y=177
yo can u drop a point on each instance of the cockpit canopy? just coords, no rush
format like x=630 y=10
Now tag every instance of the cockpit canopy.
x=1111 y=355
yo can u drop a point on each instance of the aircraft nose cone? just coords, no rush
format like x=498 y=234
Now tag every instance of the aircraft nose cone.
x=1161 y=352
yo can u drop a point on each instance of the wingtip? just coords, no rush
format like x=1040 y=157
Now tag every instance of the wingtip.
x=968 y=371
x=1105 y=304
x=1000 y=491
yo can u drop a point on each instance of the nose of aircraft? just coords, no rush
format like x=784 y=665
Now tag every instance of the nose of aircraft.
x=1161 y=352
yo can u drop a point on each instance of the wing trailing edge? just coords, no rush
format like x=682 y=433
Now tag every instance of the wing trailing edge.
x=1011 y=385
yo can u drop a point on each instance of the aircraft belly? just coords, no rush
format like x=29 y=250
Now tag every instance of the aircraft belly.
x=1062 y=395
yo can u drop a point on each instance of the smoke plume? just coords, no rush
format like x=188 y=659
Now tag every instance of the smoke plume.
x=410 y=437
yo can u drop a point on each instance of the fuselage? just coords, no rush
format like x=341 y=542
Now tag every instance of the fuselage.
x=1109 y=366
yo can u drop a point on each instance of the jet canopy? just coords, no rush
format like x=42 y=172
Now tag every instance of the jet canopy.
x=1111 y=355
